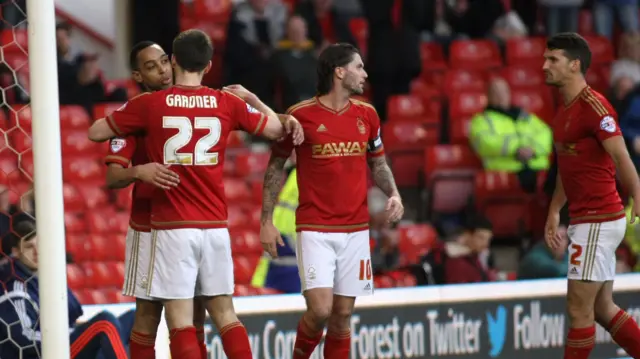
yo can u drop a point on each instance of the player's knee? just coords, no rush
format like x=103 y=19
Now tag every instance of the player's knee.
x=320 y=313
x=579 y=311
x=340 y=317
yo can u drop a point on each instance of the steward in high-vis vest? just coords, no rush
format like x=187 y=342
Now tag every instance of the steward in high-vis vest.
x=507 y=138
x=282 y=273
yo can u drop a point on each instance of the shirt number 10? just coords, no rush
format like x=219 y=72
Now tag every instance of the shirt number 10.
x=172 y=146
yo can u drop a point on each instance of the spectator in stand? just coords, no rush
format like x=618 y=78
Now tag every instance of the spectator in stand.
x=543 y=262
x=386 y=255
x=326 y=25
x=509 y=139
x=103 y=336
x=562 y=15
x=630 y=124
x=294 y=64
x=625 y=11
x=79 y=77
x=628 y=62
x=465 y=260
x=255 y=28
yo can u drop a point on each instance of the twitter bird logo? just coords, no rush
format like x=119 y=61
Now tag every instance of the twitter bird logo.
x=497 y=327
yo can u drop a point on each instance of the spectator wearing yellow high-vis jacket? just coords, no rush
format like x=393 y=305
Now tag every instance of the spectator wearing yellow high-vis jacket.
x=509 y=139
x=282 y=273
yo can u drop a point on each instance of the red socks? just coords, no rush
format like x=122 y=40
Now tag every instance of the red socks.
x=235 y=341
x=142 y=346
x=202 y=342
x=184 y=343
x=624 y=330
x=306 y=341
x=580 y=342
x=337 y=345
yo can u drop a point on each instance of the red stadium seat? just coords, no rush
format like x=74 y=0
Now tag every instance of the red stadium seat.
x=73 y=201
x=19 y=139
x=219 y=10
x=79 y=169
x=97 y=296
x=236 y=217
x=410 y=108
x=474 y=54
x=79 y=246
x=119 y=222
x=251 y=163
x=404 y=167
x=117 y=246
x=242 y=290
x=73 y=223
x=383 y=281
x=243 y=270
x=75 y=277
x=523 y=76
x=408 y=135
x=538 y=101
x=459 y=130
x=432 y=57
x=236 y=190
x=74 y=117
x=425 y=90
x=598 y=78
x=450 y=173
x=253 y=212
x=100 y=248
x=98 y=221
x=415 y=240
x=528 y=51
x=21 y=118
x=467 y=103
x=585 y=23
x=464 y=80
x=360 y=30
x=245 y=241
x=104 y=109
x=94 y=196
x=76 y=142
x=601 y=50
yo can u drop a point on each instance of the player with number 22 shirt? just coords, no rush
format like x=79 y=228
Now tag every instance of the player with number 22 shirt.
x=186 y=127
x=590 y=146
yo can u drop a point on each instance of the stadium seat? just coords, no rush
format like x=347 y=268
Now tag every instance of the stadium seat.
x=585 y=23
x=212 y=10
x=408 y=135
x=242 y=290
x=80 y=169
x=102 y=110
x=457 y=80
x=415 y=240
x=119 y=222
x=450 y=173
x=236 y=217
x=243 y=269
x=474 y=55
x=94 y=196
x=73 y=200
x=236 y=190
x=467 y=103
x=411 y=108
x=117 y=246
x=76 y=142
x=432 y=57
x=251 y=163
x=459 y=130
x=245 y=241
x=79 y=246
x=100 y=248
x=21 y=117
x=405 y=171
x=14 y=41
x=19 y=139
x=253 y=213
x=97 y=296
x=383 y=281
x=538 y=101
x=360 y=30
x=75 y=277
x=598 y=78
x=520 y=77
x=114 y=295
x=601 y=50
x=73 y=223
x=98 y=221
x=74 y=117
x=423 y=89
x=528 y=51
x=8 y=162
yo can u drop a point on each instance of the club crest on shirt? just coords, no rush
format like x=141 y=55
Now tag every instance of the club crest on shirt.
x=608 y=124
x=117 y=144
x=361 y=126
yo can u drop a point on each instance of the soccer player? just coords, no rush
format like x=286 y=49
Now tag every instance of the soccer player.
x=342 y=136
x=186 y=126
x=590 y=148
x=127 y=163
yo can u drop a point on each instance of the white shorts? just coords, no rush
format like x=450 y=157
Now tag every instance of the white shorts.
x=592 y=250
x=136 y=263
x=189 y=261
x=341 y=261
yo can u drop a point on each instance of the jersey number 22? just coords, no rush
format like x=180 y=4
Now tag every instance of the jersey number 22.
x=201 y=155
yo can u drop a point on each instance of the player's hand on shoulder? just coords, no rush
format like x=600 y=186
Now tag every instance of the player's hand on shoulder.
x=394 y=209
x=158 y=175
x=551 y=235
x=293 y=128
x=269 y=237
x=239 y=91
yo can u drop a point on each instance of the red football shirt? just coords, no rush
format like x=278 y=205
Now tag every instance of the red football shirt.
x=332 y=164
x=130 y=151
x=587 y=171
x=187 y=127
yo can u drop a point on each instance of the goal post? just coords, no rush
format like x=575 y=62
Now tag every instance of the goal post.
x=52 y=275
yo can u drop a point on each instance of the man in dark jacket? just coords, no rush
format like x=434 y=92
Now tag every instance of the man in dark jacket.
x=102 y=336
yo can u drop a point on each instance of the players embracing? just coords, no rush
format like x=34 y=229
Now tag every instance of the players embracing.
x=342 y=139
x=590 y=148
x=186 y=127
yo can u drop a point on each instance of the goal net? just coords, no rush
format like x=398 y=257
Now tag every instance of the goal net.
x=32 y=307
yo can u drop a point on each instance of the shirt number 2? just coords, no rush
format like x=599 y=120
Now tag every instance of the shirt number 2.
x=172 y=146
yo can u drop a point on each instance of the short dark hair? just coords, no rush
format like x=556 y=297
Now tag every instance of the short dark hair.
x=478 y=222
x=574 y=46
x=193 y=50
x=336 y=55
x=22 y=231
x=135 y=51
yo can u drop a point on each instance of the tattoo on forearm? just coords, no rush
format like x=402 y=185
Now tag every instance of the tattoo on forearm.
x=382 y=176
x=271 y=187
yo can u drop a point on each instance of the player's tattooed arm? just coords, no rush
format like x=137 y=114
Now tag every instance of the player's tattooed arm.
x=382 y=176
x=271 y=187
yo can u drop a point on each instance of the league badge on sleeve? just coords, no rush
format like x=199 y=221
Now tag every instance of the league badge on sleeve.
x=608 y=124
x=117 y=144
x=251 y=109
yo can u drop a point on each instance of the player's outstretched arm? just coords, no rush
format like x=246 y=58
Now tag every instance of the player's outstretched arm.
x=383 y=178
x=100 y=131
